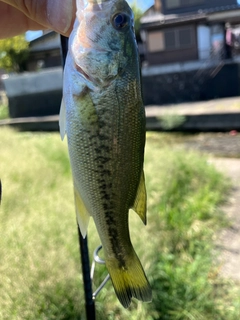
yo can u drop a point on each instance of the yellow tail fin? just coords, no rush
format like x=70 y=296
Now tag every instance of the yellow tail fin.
x=129 y=280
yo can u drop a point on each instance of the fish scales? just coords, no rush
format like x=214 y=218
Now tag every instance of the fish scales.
x=100 y=167
x=105 y=126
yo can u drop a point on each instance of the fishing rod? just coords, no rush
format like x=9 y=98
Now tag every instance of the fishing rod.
x=87 y=274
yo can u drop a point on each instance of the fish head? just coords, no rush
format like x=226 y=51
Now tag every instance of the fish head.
x=104 y=40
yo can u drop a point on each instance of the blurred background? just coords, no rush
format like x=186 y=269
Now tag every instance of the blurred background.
x=190 y=249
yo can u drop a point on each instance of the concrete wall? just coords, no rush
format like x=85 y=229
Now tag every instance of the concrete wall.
x=190 y=82
x=40 y=93
x=34 y=93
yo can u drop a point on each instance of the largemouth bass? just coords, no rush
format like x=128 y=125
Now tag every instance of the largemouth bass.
x=104 y=118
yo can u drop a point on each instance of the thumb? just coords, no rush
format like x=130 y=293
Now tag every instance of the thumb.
x=58 y=15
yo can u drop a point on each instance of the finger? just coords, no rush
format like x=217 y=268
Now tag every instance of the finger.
x=58 y=15
x=14 y=22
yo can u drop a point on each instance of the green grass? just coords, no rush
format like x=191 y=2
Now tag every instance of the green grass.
x=169 y=121
x=40 y=269
x=3 y=112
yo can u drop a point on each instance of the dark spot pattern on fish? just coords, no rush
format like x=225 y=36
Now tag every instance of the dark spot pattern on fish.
x=102 y=112
x=121 y=71
x=102 y=28
x=98 y=150
x=93 y=136
x=102 y=148
x=102 y=159
x=102 y=137
x=105 y=173
x=113 y=44
x=108 y=205
x=101 y=124
x=105 y=196
x=83 y=93
x=105 y=148
x=101 y=181
x=114 y=237
x=109 y=217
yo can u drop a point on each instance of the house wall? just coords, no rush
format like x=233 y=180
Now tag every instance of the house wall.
x=172 y=56
x=193 y=5
x=45 y=59
x=175 y=55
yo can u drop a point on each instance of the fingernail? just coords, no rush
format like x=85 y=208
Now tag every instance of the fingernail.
x=60 y=14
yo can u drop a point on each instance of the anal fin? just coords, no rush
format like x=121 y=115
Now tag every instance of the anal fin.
x=140 y=203
x=82 y=213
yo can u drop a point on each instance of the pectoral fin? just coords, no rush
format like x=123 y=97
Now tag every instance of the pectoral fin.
x=82 y=214
x=62 y=119
x=140 y=204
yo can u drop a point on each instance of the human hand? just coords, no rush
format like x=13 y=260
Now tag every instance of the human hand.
x=18 y=16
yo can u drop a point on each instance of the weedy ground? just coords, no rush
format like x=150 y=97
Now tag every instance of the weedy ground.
x=40 y=269
x=3 y=111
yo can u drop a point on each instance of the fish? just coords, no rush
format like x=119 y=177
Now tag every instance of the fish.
x=103 y=117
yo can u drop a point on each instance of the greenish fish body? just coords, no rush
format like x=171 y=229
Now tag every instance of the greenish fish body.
x=104 y=119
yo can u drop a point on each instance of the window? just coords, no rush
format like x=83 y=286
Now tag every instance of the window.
x=156 y=41
x=185 y=37
x=173 y=39
x=170 y=39
x=172 y=4
x=179 y=38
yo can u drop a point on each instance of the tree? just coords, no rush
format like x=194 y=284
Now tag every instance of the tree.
x=14 y=53
x=137 y=16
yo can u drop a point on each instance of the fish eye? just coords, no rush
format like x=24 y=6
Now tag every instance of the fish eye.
x=120 y=20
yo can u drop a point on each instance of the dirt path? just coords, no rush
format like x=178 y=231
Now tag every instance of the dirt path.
x=223 y=150
x=229 y=240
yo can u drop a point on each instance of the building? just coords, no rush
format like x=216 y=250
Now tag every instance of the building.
x=190 y=30
x=45 y=51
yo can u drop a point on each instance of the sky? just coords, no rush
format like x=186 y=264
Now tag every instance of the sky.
x=143 y=4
